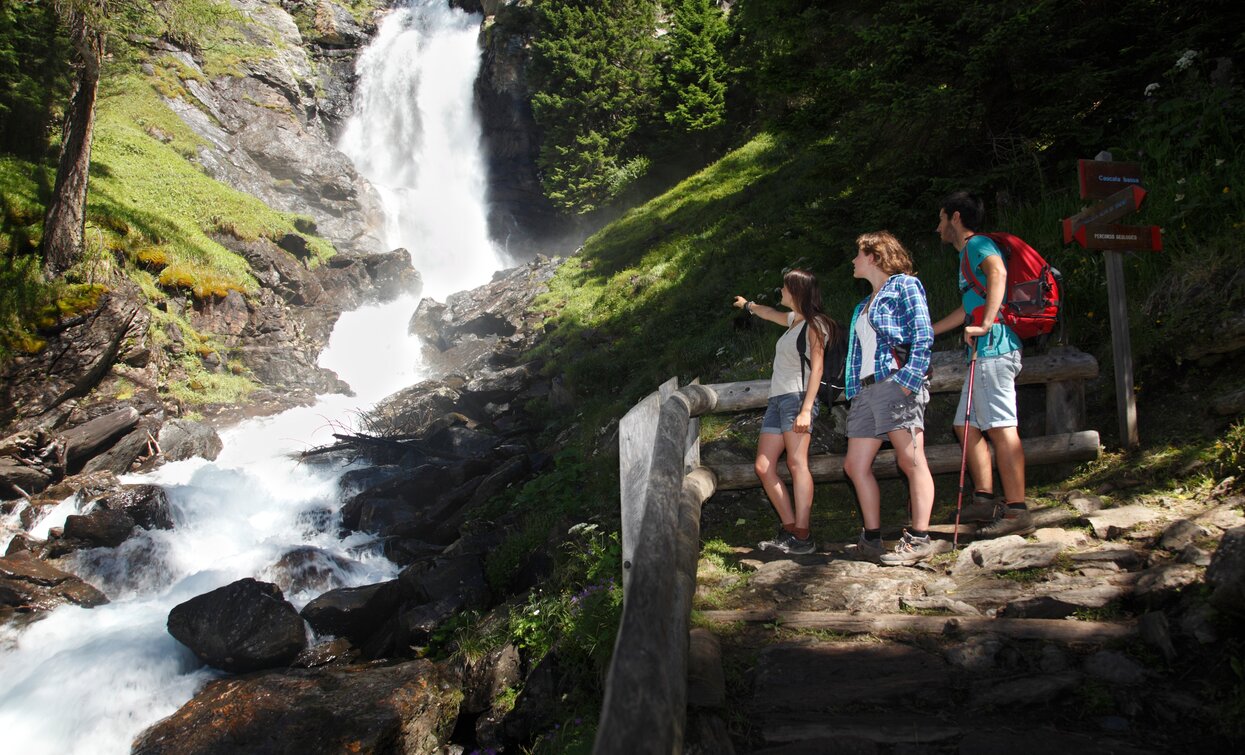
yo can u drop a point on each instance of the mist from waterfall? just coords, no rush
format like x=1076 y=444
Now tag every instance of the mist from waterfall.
x=91 y=680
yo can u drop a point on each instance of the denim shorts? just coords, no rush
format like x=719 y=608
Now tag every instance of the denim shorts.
x=881 y=408
x=994 y=392
x=781 y=411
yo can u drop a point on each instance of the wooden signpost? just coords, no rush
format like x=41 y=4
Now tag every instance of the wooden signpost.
x=1118 y=185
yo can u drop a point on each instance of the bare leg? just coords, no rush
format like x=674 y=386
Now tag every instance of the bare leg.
x=1010 y=455
x=910 y=454
x=801 y=478
x=769 y=447
x=858 y=465
x=978 y=458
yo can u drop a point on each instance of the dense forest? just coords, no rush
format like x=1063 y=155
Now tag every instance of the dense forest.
x=710 y=145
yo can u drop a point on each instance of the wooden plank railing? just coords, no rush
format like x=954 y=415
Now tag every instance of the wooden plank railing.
x=663 y=486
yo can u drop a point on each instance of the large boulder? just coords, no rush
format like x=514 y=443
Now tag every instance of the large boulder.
x=243 y=626
x=185 y=439
x=406 y=708
x=353 y=612
x=1226 y=573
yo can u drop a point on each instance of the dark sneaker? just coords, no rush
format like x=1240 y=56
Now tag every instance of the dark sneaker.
x=788 y=543
x=1009 y=522
x=911 y=549
x=775 y=543
x=866 y=550
x=984 y=509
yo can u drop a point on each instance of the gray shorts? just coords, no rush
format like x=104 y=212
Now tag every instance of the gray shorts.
x=882 y=407
x=781 y=411
x=994 y=393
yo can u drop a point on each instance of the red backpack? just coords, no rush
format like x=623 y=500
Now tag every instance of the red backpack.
x=1031 y=302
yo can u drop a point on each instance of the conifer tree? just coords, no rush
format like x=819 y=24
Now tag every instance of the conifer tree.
x=91 y=26
x=595 y=81
x=696 y=71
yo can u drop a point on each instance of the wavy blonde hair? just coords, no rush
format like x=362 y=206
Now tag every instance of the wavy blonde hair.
x=888 y=254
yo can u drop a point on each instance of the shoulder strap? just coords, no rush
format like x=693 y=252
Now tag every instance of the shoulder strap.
x=967 y=271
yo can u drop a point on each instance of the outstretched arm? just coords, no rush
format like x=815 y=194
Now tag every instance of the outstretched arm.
x=775 y=316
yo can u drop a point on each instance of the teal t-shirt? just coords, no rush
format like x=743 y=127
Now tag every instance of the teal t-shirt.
x=1000 y=340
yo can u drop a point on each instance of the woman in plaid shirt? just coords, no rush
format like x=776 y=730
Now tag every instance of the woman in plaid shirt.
x=888 y=355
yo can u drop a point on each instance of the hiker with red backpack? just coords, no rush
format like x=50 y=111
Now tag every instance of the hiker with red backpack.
x=888 y=356
x=792 y=406
x=1002 y=301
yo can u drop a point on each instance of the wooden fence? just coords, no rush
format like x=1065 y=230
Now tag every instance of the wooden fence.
x=663 y=486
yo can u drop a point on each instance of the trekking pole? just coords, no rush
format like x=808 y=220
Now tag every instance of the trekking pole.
x=968 y=412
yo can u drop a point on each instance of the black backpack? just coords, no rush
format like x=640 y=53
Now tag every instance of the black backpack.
x=833 y=364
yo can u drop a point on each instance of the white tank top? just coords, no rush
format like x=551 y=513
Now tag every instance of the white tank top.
x=868 y=338
x=788 y=374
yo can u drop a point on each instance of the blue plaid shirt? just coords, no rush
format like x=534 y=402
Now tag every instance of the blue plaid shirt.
x=900 y=316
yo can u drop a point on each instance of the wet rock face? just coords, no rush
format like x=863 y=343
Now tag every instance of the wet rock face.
x=406 y=708
x=28 y=586
x=519 y=213
x=36 y=389
x=264 y=129
x=243 y=626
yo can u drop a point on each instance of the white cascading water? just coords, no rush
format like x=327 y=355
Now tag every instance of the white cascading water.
x=90 y=680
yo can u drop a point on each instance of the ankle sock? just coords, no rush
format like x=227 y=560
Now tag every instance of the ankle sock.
x=1017 y=506
x=874 y=535
x=918 y=533
x=801 y=533
x=789 y=528
x=983 y=493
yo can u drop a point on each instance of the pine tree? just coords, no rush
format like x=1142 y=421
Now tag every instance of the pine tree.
x=595 y=81
x=91 y=24
x=696 y=71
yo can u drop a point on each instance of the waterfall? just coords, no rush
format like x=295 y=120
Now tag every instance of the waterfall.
x=90 y=680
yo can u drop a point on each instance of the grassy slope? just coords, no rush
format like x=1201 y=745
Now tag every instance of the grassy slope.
x=150 y=212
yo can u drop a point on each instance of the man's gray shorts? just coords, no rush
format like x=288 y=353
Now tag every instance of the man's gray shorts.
x=994 y=393
x=882 y=407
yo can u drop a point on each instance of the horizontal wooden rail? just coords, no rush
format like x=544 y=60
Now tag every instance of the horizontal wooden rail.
x=947 y=374
x=1045 y=449
x=1055 y=630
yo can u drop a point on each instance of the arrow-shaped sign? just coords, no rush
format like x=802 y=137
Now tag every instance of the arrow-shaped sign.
x=1112 y=208
x=1101 y=178
x=1139 y=238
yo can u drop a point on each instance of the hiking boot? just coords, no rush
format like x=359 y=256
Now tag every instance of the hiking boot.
x=866 y=550
x=983 y=508
x=911 y=549
x=1009 y=522
x=787 y=543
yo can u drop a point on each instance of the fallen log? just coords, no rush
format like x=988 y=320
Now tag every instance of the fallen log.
x=89 y=438
x=1055 y=630
x=1046 y=449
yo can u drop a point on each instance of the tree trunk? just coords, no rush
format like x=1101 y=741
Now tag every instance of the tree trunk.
x=64 y=226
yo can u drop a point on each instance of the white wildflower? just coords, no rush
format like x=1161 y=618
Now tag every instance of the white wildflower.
x=1218 y=162
x=1180 y=181
x=1179 y=197
x=1186 y=60
x=1151 y=89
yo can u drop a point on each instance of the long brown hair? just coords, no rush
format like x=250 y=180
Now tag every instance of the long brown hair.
x=807 y=299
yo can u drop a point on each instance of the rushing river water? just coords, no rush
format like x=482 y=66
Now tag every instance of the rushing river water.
x=90 y=680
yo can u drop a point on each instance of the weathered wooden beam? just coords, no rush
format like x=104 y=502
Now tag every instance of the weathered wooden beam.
x=947 y=373
x=646 y=687
x=1055 y=630
x=636 y=433
x=1046 y=449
